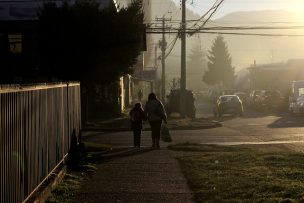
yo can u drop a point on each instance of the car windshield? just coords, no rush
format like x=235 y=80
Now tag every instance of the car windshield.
x=272 y=94
x=229 y=99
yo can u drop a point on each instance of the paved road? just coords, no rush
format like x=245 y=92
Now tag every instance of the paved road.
x=254 y=127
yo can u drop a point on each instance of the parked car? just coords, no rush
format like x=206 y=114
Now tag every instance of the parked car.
x=243 y=97
x=228 y=104
x=270 y=99
x=296 y=97
x=253 y=97
x=297 y=107
x=173 y=103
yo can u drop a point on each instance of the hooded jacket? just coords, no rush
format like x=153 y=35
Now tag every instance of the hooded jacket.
x=155 y=110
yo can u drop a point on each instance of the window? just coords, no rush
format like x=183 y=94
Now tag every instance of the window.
x=301 y=92
x=15 y=43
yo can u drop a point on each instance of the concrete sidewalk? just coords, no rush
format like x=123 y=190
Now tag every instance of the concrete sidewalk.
x=123 y=124
x=138 y=175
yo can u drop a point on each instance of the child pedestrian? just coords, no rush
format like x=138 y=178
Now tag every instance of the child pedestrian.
x=137 y=117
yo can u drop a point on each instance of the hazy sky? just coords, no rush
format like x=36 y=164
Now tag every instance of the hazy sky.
x=201 y=6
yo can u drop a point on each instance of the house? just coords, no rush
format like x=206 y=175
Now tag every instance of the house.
x=18 y=23
x=276 y=76
x=144 y=76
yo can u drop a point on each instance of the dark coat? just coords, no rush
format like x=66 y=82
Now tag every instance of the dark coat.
x=137 y=116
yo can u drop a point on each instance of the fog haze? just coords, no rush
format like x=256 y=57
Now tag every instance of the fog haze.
x=244 y=49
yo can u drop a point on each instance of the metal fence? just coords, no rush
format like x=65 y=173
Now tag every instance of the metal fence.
x=36 y=124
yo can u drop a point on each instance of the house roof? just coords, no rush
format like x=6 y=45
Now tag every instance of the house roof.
x=296 y=62
x=291 y=63
x=15 y=10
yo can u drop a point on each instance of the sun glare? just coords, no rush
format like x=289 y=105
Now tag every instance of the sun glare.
x=298 y=8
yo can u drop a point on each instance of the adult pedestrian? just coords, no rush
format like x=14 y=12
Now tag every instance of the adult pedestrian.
x=156 y=113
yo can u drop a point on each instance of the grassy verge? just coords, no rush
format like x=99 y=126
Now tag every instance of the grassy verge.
x=68 y=190
x=240 y=174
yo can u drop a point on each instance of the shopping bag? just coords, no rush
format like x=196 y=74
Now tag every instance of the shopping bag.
x=165 y=134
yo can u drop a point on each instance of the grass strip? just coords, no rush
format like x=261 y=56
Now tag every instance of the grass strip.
x=68 y=190
x=240 y=174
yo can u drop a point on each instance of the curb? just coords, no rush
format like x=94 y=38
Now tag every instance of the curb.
x=47 y=191
x=46 y=187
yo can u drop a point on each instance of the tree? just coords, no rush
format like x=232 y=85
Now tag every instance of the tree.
x=220 y=70
x=87 y=43
x=196 y=60
x=196 y=67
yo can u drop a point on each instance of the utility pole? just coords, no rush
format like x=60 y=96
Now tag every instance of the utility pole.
x=163 y=46
x=183 y=62
x=163 y=49
x=155 y=57
x=156 y=88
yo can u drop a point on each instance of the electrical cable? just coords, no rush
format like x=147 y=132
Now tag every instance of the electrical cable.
x=171 y=48
x=213 y=12
x=229 y=33
x=237 y=28
x=203 y=16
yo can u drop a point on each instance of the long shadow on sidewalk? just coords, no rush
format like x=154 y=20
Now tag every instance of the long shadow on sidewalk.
x=101 y=157
x=137 y=175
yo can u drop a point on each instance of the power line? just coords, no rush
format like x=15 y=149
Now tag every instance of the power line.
x=213 y=12
x=255 y=22
x=262 y=25
x=229 y=33
x=252 y=28
x=171 y=48
x=203 y=16
x=238 y=28
x=215 y=7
